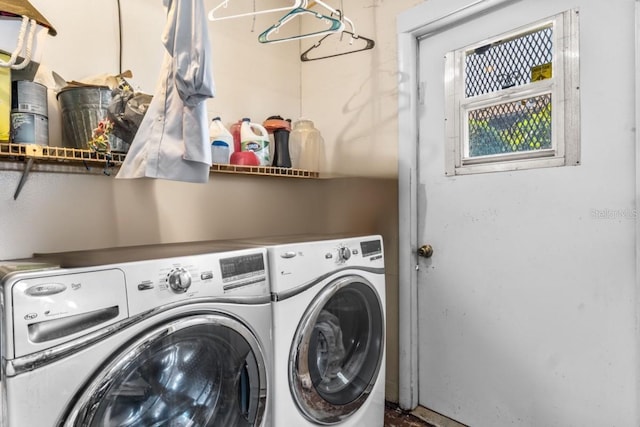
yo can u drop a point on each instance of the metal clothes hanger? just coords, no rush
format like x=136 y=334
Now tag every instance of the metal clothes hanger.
x=225 y=3
x=270 y=34
x=369 y=44
x=353 y=36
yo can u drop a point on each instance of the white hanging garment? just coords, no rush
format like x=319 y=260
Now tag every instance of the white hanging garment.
x=172 y=141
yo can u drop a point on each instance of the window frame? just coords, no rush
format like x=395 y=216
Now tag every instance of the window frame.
x=563 y=87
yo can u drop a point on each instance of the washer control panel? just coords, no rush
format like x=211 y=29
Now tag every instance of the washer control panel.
x=237 y=273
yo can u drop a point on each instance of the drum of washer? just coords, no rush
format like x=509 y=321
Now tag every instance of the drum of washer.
x=198 y=371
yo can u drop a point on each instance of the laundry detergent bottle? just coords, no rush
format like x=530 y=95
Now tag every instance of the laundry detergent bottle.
x=254 y=137
x=221 y=142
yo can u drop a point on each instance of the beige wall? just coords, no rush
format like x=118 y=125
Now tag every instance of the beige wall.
x=352 y=100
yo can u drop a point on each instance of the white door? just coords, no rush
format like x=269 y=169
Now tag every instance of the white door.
x=526 y=311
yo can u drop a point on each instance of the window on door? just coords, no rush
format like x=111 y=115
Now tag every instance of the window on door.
x=513 y=100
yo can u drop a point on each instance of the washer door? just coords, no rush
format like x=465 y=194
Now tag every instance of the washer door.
x=197 y=371
x=337 y=350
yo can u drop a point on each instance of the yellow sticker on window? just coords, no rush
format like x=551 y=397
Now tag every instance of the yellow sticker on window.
x=541 y=72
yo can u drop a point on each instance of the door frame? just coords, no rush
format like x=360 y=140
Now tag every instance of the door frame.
x=417 y=23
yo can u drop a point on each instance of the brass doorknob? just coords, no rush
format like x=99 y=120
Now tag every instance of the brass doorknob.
x=425 y=251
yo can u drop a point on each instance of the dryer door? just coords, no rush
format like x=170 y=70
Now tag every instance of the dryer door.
x=198 y=371
x=338 y=350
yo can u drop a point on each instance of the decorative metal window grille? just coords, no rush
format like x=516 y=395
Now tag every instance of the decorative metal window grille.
x=514 y=100
x=507 y=63
x=523 y=125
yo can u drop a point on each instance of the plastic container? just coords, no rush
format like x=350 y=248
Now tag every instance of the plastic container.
x=281 y=157
x=280 y=128
x=245 y=158
x=235 y=132
x=306 y=146
x=254 y=137
x=222 y=146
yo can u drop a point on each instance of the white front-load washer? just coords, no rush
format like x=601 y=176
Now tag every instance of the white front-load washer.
x=171 y=341
x=329 y=331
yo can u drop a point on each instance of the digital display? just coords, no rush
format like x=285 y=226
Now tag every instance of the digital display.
x=242 y=266
x=372 y=247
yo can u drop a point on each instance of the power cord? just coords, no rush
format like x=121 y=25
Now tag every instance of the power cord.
x=119 y=37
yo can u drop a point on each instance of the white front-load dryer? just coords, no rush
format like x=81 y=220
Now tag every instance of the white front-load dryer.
x=329 y=332
x=182 y=341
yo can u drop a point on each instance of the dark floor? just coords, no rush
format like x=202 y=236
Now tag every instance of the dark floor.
x=396 y=417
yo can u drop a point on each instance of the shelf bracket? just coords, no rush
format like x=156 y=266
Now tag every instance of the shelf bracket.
x=32 y=151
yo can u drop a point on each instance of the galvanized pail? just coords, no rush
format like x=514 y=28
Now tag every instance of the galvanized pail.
x=82 y=108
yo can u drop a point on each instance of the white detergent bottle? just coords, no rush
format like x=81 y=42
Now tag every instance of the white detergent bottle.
x=221 y=142
x=254 y=137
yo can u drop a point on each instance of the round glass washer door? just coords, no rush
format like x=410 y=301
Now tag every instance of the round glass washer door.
x=197 y=371
x=337 y=350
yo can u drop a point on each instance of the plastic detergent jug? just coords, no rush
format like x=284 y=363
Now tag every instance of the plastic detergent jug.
x=221 y=142
x=235 y=131
x=254 y=137
x=306 y=146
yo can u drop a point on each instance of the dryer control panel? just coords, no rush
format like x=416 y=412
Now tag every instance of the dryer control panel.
x=344 y=253
x=293 y=265
x=371 y=249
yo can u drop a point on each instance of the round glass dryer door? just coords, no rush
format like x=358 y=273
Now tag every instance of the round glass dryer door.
x=198 y=371
x=337 y=350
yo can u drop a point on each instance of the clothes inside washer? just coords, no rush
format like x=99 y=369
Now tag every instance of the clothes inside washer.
x=331 y=352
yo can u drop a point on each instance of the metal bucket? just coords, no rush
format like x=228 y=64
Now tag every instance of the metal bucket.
x=82 y=109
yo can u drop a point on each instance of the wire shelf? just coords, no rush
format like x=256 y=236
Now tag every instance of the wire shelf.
x=264 y=170
x=74 y=156
x=10 y=151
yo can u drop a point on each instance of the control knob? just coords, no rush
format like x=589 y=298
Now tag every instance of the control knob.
x=179 y=280
x=344 y=253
